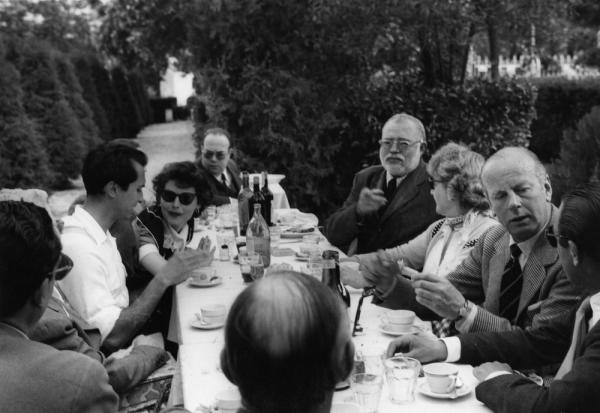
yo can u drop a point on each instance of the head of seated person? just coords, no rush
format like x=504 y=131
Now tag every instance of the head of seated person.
x=402 y=144
x=287 y=344
x=215 y=151
x=519 y=190
x=182 y=193
x=30 y=262
x=455 y=179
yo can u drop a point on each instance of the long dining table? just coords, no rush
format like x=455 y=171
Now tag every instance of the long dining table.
x=201 y=377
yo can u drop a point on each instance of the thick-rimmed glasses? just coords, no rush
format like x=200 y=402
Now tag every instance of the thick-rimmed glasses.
x=63 y=265
x=401 y=145
x=220 y=155
x=367 y=292
x=555 y=240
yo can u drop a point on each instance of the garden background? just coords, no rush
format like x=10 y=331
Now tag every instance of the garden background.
x=304 y=87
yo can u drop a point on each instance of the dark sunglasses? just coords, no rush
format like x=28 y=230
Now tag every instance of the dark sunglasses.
x=432 y=182
x=185 y=198
x=367 y=292
x=555 y=240
x=219 y=154
x=63 y=265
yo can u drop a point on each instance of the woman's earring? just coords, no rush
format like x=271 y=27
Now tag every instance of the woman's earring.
x=196 y=212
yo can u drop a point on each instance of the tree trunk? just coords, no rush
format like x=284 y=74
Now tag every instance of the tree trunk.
x=465 y=57
x=492 y=30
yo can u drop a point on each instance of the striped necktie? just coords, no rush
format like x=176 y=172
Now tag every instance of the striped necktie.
x=512 y=283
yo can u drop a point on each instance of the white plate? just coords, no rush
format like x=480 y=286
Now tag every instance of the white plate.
x=383 y=328
x=218 y=281
x=460 y=391
x=301 y=257
x=345 y=408
x=205 y=326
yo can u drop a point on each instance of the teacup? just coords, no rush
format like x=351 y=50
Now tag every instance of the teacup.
x=212 y=314
x=399 y=321
x=203 y=275
x=228 y=401
x=441 y=377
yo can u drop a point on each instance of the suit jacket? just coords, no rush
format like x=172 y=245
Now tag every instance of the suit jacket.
x=546 y=292
x=71 y=332
x=222 y=193
x=37 y=378
x=576 y=392
x=408 y=214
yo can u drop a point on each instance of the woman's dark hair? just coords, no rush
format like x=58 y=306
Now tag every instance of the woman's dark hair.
x=580 y=218
x=184 y=174
x=282 y=346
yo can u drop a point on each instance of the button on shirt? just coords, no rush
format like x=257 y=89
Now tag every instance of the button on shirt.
x=95 y=287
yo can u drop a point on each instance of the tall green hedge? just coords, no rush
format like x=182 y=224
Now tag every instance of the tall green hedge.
x=560 y=104
x=129 y=111
x=23 y=160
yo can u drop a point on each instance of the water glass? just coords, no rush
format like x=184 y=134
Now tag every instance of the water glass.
x=401 y=374
x=211 y=213
x=370 y=360
x=246 y=261
x=315 y=266
x=257 y=267
x=275 y=236
x=367 y=391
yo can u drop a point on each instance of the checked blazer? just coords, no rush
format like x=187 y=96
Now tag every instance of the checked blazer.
x=546 y=292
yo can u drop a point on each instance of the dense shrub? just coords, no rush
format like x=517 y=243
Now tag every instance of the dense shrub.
x=130 y=114
x=141 y=96
x=560 y=104
x=108 y=99
x=82 y=63
x=23 y=161
x=46 y=105
x=73 y=93
x=579 y=160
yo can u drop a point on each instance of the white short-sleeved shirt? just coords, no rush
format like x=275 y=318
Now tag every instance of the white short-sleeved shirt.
x=95 y=287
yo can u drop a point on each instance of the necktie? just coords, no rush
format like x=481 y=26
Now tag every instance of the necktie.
x=224 y=180
x=579 y=331
x=512 y=283
x=390 y=189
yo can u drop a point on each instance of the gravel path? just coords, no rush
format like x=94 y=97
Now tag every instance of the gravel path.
x=163 y=143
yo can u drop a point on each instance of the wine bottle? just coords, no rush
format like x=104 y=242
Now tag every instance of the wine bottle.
x=268 y=195
x=243 y=203
x=256 y=198
x=258 y=238
x=331 y=275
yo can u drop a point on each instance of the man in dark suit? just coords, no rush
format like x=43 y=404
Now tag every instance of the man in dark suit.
x=37 y=377
x=388 y=204
x=512 y=278
x=214 y=160
x=573 y=338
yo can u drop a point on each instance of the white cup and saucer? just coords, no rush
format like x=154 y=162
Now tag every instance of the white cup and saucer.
x=227 y=401
x=210 y=317
x=443 y=382
x=205 y=277
x=398 y=322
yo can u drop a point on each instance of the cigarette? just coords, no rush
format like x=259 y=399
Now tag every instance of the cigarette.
x=408 y=273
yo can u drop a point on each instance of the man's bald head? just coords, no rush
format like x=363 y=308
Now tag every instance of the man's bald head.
x=287 y=343
x=518 y=157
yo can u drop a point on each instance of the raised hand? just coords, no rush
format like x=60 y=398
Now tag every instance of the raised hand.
x=205 y=252
x=369 y=201
x=420 y=347
x=438 y=294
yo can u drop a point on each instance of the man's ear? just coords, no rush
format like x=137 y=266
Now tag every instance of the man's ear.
x=110 y=189
x=574 y=253
x=548 y=189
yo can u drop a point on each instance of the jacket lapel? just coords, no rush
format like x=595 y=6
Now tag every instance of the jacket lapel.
x=500 y=255
x=406 y=191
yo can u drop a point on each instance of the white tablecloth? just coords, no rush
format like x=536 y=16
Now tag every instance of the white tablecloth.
x=199 y=350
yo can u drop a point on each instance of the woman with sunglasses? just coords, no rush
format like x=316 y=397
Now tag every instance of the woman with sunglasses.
x=168 y=226
x=454 y=177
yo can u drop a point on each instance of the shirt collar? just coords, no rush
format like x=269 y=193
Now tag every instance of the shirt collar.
x=595 y=304
x=91 y=225
x=389 y=177
x=15 y=329
x=527 y=245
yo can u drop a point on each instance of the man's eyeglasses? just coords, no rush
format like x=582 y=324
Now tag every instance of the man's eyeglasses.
x=432 y=182
x=367 y=292
x=401 y=146
x=63 y=265
x=220 y=155
x=185 y=198
x=555 y=240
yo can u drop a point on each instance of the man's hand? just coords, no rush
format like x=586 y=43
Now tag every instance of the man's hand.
x=486 y=369
x=420 y=347
x=438 y=294
x=181 y=264
x=154 y=340
x=369 y=201
x=205 y=252
x=352 y=276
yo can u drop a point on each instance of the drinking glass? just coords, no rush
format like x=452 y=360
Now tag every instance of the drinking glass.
x=275 y=236
x=367 y=390
x=211 y=213
x=257 y=267
x=315 y=266
x=401 y=374
x=246 y=261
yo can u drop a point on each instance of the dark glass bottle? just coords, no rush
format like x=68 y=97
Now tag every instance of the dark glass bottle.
x=267 y=212
x=258 y=237
x=243 y=203
x=331 y=275
x=257 y=197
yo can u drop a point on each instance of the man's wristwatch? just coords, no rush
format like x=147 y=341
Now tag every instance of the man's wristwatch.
x=464 y=310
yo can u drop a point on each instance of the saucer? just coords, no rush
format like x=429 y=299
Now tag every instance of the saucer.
x=460 y=391
x=205 y=326
x=344 y=408
x=301 y=257
x=212 y=283
x=413 y=330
